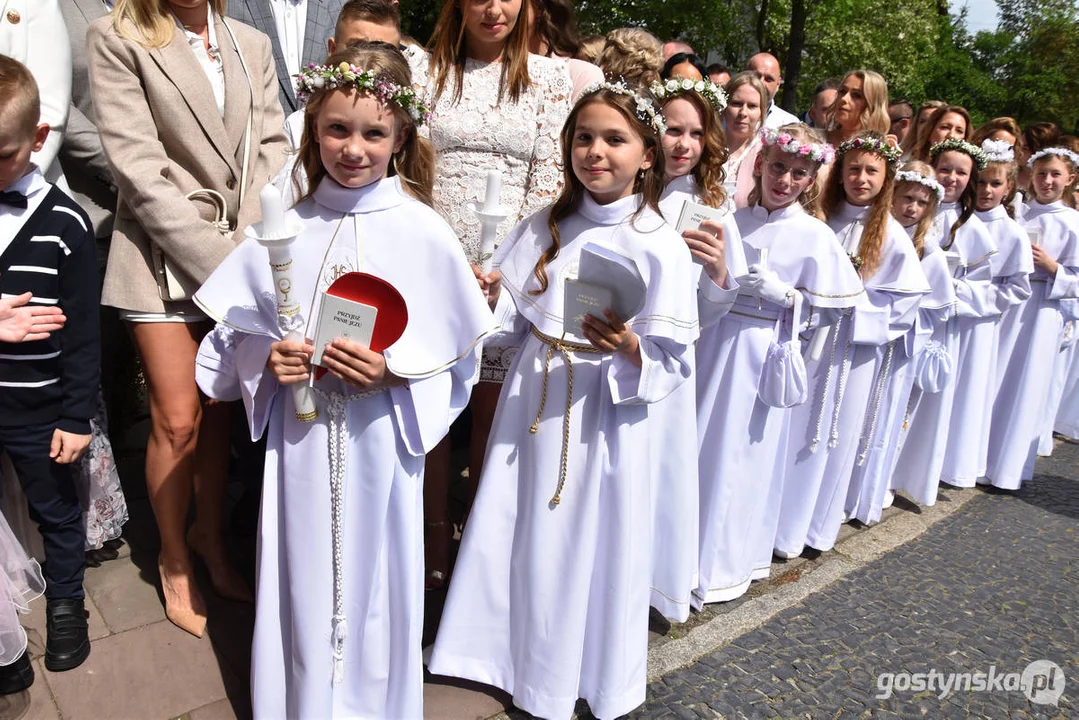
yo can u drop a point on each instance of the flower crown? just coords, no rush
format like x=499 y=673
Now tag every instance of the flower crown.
x=1059 y=152
x=332 y=77
x=998 y=151
x=962 y=146
x=822 y=153
x=645 y=109
x=711 y=92
x=916 y=177
x=890 y=154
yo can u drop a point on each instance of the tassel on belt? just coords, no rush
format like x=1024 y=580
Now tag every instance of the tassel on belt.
x=565 y=348
x=338 y=431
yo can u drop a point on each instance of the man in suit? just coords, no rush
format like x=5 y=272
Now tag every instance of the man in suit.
x=298 y=31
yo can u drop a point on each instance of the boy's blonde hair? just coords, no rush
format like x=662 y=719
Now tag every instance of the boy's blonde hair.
x=21 y=108
x=633 y=55
x=150 y=23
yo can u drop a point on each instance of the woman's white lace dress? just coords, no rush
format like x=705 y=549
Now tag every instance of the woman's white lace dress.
x=479 y=133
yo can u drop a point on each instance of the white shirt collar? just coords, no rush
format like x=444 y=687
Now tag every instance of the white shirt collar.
x=793 y=210
x=195 y=40
x=31 y=183
x=385 y=193
x=613 y=213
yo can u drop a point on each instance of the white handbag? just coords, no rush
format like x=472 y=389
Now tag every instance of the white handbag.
x=173 y=284
x=783 y=382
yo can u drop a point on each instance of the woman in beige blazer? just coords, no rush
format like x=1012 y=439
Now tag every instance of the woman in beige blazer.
x=173 y=103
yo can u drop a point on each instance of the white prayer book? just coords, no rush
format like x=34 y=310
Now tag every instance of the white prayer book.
x=1035 y=235
x=340 y=317
x=583 y=298
x=691 y=217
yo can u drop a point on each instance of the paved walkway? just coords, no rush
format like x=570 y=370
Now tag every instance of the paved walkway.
x=992 y=584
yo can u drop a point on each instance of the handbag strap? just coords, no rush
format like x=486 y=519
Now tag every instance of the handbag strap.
x=250 y=113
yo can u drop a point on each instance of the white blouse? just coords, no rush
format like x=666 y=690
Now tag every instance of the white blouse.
x=480 y=133
x=210 y=62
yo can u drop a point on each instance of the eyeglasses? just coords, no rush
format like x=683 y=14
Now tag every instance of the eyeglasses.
x=778 y=169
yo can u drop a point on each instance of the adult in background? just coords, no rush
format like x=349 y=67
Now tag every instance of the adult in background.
x=180 y=94
x=823 y=97
x=298 y=31
x=553 y=25
x=494 y=106
x=901 y=115
x=683 y=65
x=632 y=54
x=946 y=122
x=917 y=128
x=719 y=74
x=766 y=67
x=33 y=32
x=861 y=104
x=747 y=98
x=674 y=47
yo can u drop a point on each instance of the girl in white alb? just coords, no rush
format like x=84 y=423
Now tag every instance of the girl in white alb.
x=850 y=371
x=749 y=363
x=1012 y=267
x=931 y=345
x=339 y=608
x=549 y=599
x=1025 y=380
x=968 y=247
x=693 y=149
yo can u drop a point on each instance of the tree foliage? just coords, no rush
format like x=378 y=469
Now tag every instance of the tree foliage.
x=1027 y=68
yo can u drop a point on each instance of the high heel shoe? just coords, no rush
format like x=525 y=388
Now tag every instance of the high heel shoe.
x=226 y=581
x=189 y=616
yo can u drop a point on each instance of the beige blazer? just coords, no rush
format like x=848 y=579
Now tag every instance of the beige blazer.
x=164 y=137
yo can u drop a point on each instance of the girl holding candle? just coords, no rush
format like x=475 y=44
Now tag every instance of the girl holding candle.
x=339 y=610
x=494 y=106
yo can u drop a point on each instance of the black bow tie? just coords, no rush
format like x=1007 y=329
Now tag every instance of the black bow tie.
x=13 y=198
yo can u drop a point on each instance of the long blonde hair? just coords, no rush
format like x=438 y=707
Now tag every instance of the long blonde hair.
x=449 y=52
x=875 y=115
x=414 y=163
x=150 y=23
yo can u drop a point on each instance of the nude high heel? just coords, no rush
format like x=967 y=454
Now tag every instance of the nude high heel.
x=191 y=618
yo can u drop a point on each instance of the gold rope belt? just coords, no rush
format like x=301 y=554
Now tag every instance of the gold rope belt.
x=564 y=347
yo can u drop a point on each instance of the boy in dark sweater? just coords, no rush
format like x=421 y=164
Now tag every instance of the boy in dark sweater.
x=48 y=387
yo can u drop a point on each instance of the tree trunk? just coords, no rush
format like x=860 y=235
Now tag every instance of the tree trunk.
x=762 y=24
x=794 y=55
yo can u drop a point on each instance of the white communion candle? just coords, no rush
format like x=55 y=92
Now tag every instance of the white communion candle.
x=494 y=190
x=273 y=212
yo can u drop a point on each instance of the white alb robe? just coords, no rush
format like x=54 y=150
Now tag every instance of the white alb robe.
x=1028 y=371
x=739 y=437
x=382 y=231
x=827 y=431
x=674 y=483
x=977 y=315
x=901 y=281
x=550 y=601
x=932 y=333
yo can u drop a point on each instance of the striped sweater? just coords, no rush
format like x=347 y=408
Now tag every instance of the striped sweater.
x=53 y=380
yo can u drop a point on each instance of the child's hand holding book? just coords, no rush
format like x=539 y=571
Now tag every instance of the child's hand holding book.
x=612 y=336
x=358 y=365
x=709 y=248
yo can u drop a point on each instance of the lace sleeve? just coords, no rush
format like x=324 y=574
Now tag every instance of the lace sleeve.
x=545 y=169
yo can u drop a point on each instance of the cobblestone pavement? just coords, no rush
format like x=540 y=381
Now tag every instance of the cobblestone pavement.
x=992 y=588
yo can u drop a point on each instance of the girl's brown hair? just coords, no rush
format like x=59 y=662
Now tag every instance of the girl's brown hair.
x=921 y=230
x=880 y=213
x=649 y=183
x=633 y=55
x=449 y=49
x=1007 y=124
x=925 y=142
x=709 y=172
x=967 y=201
x=554 y=23
x=1011 y=174
x=414 y=163
x=810 y=197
